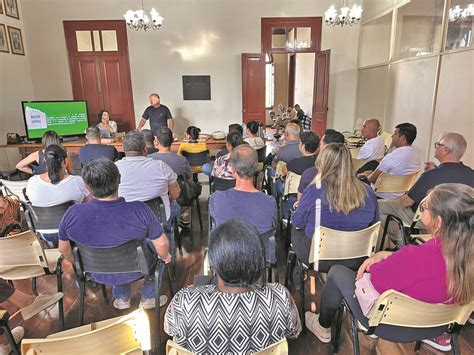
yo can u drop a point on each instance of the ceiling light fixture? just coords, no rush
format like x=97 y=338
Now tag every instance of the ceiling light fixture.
x=347 y=16
x=139 y=20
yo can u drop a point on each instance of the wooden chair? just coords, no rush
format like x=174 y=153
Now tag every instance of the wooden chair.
x=358 y=163
x=129 y=334
x=16 y=188
x=278 y=348
x=387 y=139
x=330 y=244
x=354 y=152
x=396 y=309
x=292 y=182
x=407 y=230
x=392 y=183
x=197 y=160
x=23 y=257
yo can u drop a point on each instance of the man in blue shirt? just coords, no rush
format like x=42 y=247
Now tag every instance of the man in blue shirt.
x=158 y=114
x=108 y=221
x=94 y=149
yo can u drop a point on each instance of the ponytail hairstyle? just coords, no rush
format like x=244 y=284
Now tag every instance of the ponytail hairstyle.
x=252 y=126
x=55 y=156
x=50 y=137
x=454 y=204
x=193 y=133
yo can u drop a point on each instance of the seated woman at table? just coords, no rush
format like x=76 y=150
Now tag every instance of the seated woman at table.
x=193 y=145
x=56 y=186
x=107 y=127
x=237 y=305
x=34 y=163
x=438 y=271
x=347 y=204
x=252 y=135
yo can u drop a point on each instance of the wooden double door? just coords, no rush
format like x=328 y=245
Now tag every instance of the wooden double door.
x=100 y=69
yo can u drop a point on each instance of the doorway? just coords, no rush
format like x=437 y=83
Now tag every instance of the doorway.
x=100 y=69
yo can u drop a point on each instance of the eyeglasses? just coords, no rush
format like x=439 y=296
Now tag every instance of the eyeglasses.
x=437 y=145
x=423 y=207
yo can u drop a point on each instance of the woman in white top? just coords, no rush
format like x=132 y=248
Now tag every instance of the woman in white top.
x=105 y=123
x=56 y=186
x=252 y=139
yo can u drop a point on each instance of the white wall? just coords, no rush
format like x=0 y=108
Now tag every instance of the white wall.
x=15 y=86
x=198 y=37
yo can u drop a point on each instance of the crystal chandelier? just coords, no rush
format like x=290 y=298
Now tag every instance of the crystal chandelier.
x=461 y=14
x=138 y=19
x=347 y=16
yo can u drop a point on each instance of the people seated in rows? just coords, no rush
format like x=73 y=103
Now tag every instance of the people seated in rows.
x=347 y=204
x=374 y=147
x=438 y=271
x=252 y=135
x=108 y=221
x=308 y=176
x=234 y=127
x=290 y=149
x=285 y=118
x=56 y=186
x=259 y=315
x=144 y=179
x=94 y=149
x=108 y=128
x=449 y=149
x=221 y=168
x=149 y=141
x=193 y=145
x=403 y=160
x=244 y=201
x=35 y=163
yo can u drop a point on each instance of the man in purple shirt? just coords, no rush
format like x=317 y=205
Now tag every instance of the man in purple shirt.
x=109 y=221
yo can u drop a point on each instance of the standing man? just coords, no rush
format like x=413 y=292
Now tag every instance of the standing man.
x=159 y=115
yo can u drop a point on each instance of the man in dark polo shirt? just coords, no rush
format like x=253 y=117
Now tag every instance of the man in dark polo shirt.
x=108 y=221
x=94 y=149
x=449 y=150
x=158 y=114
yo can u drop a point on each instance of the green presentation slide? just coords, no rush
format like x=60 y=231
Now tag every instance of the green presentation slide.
x=65 y=118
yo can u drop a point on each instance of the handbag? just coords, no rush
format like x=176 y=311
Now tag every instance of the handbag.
x=366 y=294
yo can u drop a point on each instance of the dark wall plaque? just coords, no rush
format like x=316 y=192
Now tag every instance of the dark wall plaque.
x=196 y=87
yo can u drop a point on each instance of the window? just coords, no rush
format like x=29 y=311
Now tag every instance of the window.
x=460 y=26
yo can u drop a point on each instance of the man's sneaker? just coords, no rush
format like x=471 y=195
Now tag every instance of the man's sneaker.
x=122 y=304
x=471 y=320
x=18 y=333
x=364 y=330
x=443 y=342
x=312 y=323
x=149 y=303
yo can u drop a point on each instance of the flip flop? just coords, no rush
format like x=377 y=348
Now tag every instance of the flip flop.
x=41 y=302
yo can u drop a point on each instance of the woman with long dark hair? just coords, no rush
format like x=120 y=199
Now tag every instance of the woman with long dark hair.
x=35 y=163
x=106 y=124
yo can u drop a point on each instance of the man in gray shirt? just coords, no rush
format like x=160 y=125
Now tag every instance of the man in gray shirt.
x=291 y=148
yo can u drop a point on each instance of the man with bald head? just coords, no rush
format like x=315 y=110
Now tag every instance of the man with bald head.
x=244 y=201
x=374 y=147
x=291 y=148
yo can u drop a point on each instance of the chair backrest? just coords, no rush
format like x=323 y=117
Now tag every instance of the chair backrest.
x=279 y=168
x=354 y=152
x=76 y=164
x=9 y=187
x=392 y=183
x=292 y=182
x=262 y=154
x=218 y=184
x=358 y=163
x=22 y=256
x=46 y=219
x=306 y=122
x=158 y=208
x=395 y=308
x=278 y=348
x=197 y=159
x=417 y=215
x=330 y=244
x=387 y=140
x=133 y=256
x=129 y=334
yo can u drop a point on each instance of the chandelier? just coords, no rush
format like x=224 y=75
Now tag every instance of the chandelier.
x=461 y=14
x=139 y=20
x=347 y=16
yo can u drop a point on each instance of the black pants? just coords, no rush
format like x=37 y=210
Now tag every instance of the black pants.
x=340 y=285
x=302 y=245
x=371 y=165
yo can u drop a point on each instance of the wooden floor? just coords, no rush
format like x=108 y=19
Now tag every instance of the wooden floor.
x=190 y=264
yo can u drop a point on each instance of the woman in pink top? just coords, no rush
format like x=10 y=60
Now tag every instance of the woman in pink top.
x=438 y=271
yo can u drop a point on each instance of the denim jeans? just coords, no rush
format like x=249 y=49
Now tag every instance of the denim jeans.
x=124 y=291
x=207 y=169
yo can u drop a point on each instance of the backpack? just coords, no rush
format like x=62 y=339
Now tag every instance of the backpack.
x=189 y=191
x=9 y=215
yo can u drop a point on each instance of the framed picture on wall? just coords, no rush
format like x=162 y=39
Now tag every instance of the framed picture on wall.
x=3 y=39
x=16 y=41
x=11 y=8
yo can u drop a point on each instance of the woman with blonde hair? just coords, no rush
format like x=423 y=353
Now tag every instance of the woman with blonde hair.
x=347 y=204
x=438 y=271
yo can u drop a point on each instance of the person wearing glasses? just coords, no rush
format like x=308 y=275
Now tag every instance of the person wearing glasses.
x=448 y=150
